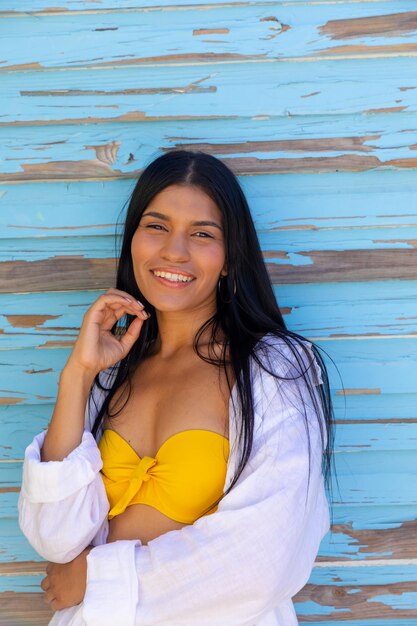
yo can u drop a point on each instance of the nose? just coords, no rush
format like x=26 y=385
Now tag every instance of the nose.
x=175 y=247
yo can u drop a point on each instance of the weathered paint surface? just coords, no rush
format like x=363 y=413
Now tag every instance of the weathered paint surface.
x=313 y=105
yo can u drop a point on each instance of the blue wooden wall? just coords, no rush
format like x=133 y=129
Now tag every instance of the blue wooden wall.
x=313 y=104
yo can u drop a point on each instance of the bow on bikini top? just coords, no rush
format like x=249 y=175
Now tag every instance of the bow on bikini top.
x=186 y=476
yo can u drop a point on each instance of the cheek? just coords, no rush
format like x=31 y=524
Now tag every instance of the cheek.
x=139 y=248
x=214 y=258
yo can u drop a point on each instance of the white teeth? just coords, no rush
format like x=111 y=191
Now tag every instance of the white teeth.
x=173 y=277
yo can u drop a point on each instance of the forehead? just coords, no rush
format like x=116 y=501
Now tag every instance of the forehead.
x=185 y=201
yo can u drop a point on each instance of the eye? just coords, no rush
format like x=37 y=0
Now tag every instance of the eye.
x=155 y=226
x=205 y=234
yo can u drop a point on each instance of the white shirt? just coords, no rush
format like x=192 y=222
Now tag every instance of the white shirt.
x=239 y=566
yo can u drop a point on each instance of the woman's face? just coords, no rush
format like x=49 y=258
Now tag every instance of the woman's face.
x=180 y=235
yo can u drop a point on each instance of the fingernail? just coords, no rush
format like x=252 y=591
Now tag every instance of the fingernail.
x=146 y=313
x=139 y=303
x=128 y=299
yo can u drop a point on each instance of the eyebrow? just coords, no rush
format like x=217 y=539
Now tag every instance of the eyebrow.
x=198 y=223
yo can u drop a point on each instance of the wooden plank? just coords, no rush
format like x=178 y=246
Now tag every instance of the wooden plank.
x=248 y=32
x=366 y=367
x=218 y=93
x=395 y=601
x=65 y=7
x=345 y=594
x=350 y=205
x=24 y=608
x=59 y=273
x=319 y=311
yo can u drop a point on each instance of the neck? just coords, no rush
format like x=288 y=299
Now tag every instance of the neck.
x=177 y=330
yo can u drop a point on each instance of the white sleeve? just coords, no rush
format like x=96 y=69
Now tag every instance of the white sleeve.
x=254 y=553
x=63 y=505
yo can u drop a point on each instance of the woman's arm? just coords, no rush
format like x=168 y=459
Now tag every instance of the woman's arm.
x=66 y=428
x=62 y=504
x=230 y=567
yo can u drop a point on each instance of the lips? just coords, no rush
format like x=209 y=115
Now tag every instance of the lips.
x=172 y=271
x=176 y=284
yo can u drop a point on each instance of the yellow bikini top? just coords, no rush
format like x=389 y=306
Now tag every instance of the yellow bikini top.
x=186 y=476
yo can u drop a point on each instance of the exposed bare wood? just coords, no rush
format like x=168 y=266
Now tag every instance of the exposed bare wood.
x=349 y=602
x=88 y=168
x=106 y=153
x=393 y=110
x=185 y=57
x=22 y=567
x=364 y=50
x=211 y=31
x=23 y=67
x=24 y=608
x=399 y=542
x=29 y=321
x=345 y=163
x=357 y=602
x=57 y=344
x=144 y=91
x=80 y=273
x=6 y=400
x=391 y=25
x=315 y=144
x=96 y=169
x=348 y=265
x=131 y=116
x=189 y=57
x=75 y=272
x=404 y=163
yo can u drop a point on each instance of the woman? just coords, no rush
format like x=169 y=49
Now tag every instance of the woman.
x=191 y=490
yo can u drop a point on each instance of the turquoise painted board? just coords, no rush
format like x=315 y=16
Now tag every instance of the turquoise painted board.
x=313 y=105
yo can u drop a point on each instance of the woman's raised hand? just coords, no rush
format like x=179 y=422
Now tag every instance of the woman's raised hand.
x=96 y=347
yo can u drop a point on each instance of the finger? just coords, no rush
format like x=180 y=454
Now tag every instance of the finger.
x=111 y=308
x=45 y=583
x=130 y=336
x=116 y=299
x=116 y=313
x=119 y=311
x=112 y=303
x=49 y=596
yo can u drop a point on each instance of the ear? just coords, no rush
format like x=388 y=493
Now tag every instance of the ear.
x=224 y=271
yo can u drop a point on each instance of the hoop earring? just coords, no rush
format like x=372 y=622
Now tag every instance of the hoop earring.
x=219 y=291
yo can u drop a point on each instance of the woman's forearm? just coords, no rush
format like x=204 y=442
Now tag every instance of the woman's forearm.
x=66 y=428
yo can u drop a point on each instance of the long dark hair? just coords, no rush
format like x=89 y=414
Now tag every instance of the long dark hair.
x=247 y=309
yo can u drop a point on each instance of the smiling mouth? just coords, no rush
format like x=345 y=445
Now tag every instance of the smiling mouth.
x=173 y=279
